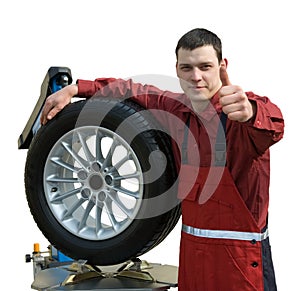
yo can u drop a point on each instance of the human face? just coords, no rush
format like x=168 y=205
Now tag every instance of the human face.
x=198 y=73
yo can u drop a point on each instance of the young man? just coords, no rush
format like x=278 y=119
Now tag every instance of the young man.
x=224 y=242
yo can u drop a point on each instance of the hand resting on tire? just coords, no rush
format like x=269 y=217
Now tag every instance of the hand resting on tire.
x=57 y=101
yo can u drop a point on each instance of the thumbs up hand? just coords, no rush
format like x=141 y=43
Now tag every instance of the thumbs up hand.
x=233 y=100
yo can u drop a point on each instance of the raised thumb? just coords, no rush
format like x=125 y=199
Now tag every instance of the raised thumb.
x=224 y=76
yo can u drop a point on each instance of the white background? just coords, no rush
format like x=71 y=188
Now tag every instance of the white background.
x=128 y=38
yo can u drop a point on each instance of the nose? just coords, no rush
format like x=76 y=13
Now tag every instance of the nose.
x=196 y=75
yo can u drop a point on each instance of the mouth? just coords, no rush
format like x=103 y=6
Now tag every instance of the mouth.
x=197 y=88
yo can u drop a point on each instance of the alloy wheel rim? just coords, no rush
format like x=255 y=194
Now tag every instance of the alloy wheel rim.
x=93 y=183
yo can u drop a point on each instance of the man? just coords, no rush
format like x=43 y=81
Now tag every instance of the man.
x=224 y=242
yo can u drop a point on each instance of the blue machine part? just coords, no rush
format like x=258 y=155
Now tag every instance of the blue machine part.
x=59 y=256
x=58 y=82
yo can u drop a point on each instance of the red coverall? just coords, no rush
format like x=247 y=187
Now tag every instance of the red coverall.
x=224 y=242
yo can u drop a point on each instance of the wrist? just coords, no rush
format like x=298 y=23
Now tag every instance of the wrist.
x=73 y=90
x=254 y=109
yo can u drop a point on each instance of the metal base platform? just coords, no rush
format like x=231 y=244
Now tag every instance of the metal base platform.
x=162 y=277
x=53 y=275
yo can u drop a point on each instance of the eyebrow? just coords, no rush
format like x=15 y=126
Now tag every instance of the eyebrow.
x=199 y=64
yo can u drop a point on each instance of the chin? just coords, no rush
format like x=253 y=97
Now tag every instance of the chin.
x=198 y=97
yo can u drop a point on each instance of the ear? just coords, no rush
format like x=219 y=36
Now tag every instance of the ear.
x=224 y=63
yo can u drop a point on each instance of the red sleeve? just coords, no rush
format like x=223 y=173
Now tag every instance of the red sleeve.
x=119 y=88
x=87 y=89
x=267 y=127
x=147 y=96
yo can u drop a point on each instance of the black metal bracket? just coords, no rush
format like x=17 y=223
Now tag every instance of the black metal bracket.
x=55 y=79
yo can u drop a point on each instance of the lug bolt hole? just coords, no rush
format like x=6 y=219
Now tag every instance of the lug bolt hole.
x=82 y=175
x=101 y=196
x=108 y=180
x=85 y=193
x=96 y=167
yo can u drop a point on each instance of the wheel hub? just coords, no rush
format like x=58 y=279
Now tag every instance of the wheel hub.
x=96 y=182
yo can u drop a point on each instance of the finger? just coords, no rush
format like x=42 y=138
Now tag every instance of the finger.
x=232 y=107
x=43 y=118
x=224 y=76
x=53 y=112
x=48 y=106
x=48 y=113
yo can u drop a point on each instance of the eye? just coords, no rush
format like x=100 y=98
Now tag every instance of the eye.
x=185 y=68
x=205 y=67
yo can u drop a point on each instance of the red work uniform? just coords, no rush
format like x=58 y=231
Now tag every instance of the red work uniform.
x=223 y=184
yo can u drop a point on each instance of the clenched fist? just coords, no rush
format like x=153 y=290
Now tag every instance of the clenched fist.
x=234 y=101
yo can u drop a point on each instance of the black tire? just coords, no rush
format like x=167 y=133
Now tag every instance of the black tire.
x=60 y=161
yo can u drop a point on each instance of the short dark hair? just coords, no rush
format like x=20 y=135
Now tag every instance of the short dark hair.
x=200 y=37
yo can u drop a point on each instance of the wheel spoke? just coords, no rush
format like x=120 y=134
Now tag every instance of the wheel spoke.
x=62 y=180
x=109 y=211
x=76 y=157
x=98 y=218
x=121 y=162
x=99 y=155
x=59 y=198
x=127 y=192
x=58 y=161
x=121 y=206
x=85 y=148
x=87 y=211
x=68 y=214
x=135 y=175
x=108 y=160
